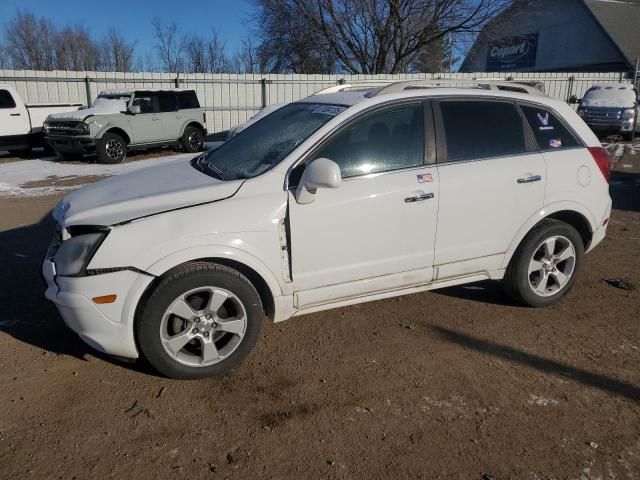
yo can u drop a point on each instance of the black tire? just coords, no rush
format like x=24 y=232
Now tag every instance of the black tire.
x=178 y=282
x=111 y=148
x=517 y=280
x=21 y=152
x=192 y=139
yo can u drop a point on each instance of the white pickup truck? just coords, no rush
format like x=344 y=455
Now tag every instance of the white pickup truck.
x=21 y=124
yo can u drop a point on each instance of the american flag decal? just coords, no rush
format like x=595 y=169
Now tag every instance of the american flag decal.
x=555 y=143
x=424 y=178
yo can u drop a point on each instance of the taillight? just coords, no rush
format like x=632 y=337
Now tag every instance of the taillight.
x=601 y=158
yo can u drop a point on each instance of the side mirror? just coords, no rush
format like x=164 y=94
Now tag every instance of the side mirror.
x=320 y=173
x=134 y=109
x=573 y=100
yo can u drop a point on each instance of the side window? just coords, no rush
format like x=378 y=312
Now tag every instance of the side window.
x=549 y=131
x=145 y=102
x=481 y=129
x=387 y=140
x=187 y=100
x=6 y=100
x=167 y=102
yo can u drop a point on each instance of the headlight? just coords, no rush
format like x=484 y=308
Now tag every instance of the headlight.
x=84 y=127
x=628 y=114
x=582 y=112
x=45 y=127
x=75 y=253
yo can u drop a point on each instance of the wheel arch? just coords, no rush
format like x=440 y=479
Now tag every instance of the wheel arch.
x=191 y=123
x=258 y=274
x=117 y=131
x=572 y=213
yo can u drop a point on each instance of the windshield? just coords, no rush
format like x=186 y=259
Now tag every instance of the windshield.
x=267 y=142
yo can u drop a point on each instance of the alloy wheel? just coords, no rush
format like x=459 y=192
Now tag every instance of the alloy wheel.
x=552 y=266
x=203 y=326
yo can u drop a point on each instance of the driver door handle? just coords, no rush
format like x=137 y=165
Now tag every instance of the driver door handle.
x=419 y=198
x=530 y=179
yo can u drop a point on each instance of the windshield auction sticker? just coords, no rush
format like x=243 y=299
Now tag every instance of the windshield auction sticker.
x=331 y=110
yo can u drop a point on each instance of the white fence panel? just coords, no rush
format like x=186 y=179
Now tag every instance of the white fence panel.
x=231 y=99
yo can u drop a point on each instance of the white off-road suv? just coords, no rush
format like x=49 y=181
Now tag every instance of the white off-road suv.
x=122 y=120
x=344 y=197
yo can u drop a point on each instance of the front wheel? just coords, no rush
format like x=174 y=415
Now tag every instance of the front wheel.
x=202 y=320
x=111 y=148
x=545 y=265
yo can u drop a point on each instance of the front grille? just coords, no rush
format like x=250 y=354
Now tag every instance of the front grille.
x=64 y=128
x=609 y=116
x=55 y=242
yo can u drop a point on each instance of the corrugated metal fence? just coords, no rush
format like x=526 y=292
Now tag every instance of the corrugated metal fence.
x=231 y=99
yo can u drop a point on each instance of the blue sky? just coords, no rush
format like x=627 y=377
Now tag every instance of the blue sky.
x=133 y=17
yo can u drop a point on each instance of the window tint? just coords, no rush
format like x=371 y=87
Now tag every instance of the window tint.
x=145 y=102
x=549 y=132
x=480 y=129
x=167 y=102
x=6 y=100
x=387 y=140
x=187 y=100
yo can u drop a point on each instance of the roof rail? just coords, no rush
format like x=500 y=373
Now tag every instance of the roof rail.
x=350 y=87
x=510 y=86
x=332 y=89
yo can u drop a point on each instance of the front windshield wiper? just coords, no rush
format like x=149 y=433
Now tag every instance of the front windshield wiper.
x=201 y=164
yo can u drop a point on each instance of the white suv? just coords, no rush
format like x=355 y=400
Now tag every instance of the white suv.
x=343 y=197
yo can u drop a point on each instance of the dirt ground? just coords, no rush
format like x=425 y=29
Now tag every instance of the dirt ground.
x=457 y=383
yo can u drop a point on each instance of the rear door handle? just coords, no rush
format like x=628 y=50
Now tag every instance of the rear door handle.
x=419 y=198
x=530 y=179
x=14 y=114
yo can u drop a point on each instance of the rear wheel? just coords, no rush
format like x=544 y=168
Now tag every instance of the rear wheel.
x=545 y=265
x=201 y=320
x=111 y=148
x=192 y=139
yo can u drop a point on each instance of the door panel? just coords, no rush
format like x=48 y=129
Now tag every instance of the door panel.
x=483 y=205
x=492 y=180
x=148 y=125
x=14 y=117
x=365 y=228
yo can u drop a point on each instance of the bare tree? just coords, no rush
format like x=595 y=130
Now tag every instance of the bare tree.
x=30 y=42
x=169 y=44
x=216 y=56
x=374 y=36
x=195 y=52
x=75 y=50
x=287 y=44
x=117 y=53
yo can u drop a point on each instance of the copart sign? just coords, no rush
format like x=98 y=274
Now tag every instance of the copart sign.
x=512 y=53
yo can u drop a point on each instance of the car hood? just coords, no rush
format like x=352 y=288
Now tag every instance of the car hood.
x=101 y=106
x=142 y=193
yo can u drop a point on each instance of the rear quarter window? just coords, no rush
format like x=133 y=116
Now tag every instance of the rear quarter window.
x=187 y=100
x=550 y=133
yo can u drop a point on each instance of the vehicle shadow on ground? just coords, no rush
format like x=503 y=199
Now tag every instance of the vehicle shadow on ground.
x=486 y=291
x=624 y=188
x=595 y=380
x=26 y=315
